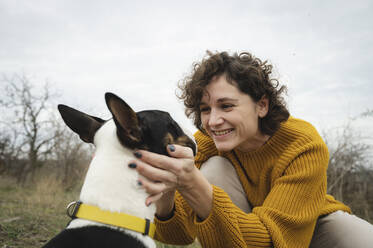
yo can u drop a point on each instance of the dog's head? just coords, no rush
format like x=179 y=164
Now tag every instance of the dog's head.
x=151 y=130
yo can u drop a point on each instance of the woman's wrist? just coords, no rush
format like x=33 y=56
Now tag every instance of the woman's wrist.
x=166 y=216
x=165 y=206
x=199 y=195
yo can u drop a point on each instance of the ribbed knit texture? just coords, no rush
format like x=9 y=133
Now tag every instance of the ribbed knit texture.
x=286 y=188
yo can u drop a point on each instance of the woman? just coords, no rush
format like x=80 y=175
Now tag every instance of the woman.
x=259 y=176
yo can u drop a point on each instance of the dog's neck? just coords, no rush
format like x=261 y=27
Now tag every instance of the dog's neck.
x=110 y=184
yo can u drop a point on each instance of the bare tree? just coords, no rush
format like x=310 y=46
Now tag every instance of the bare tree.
x=71 y=156
x=6 y=153
x=347 y=154
x=25 y=111
x=367 y=113
x=350 y=171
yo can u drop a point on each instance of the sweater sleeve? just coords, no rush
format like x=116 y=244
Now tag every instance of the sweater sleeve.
x=178 y=229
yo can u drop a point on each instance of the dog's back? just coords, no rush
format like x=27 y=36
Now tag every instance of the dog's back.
x=109 y=184
x=94 y=236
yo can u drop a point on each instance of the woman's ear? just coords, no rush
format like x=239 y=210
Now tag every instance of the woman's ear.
x=262 y=106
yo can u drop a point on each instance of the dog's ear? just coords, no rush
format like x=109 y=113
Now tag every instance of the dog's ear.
x=125 y=119
x=81 y=123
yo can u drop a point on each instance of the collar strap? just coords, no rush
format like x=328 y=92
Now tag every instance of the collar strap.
x=93 y=213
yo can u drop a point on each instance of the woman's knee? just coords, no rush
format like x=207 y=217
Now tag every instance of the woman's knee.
x=341 y=229
x=220 y=172
x=216 y=169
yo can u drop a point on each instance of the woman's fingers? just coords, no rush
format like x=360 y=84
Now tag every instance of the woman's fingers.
x=161 y=173
x=153 y=198
x=181 y=157
x=184 y=156
x=160 y=161
x=156 y=160
x=152 y=188
x=178 y=151
x=154 y=173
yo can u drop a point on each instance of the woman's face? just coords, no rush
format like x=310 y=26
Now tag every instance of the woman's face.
x=231 y=117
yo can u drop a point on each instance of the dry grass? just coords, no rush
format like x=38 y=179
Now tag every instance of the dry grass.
x=30 y=216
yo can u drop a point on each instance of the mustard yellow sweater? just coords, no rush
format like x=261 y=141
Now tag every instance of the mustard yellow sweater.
x=286 y=188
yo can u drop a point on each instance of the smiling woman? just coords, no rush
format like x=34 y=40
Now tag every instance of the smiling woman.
x=229 y=116
x=259 y=176
x=248 y=74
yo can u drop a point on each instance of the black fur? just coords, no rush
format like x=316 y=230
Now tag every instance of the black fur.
x=93 y=236
x=155 y=125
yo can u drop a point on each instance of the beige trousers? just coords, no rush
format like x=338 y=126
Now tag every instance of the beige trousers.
x=338 y=229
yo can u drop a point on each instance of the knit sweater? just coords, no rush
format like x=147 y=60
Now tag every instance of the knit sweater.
x=285 y=183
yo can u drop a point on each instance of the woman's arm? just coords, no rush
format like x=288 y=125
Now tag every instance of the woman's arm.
x=287 y=216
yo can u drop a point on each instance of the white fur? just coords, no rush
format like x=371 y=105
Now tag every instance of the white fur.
x=111 y=185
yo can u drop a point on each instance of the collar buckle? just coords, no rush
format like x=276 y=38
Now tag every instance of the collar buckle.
x=72 y=209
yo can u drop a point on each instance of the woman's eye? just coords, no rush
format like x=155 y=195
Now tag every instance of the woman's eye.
x=226 y=106
x=204 y=109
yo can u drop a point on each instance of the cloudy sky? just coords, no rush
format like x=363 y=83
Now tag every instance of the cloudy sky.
x=322 y=50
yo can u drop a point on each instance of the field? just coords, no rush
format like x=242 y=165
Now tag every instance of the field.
x=30 y=216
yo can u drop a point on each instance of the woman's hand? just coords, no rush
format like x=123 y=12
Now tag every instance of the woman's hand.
x=162 y=175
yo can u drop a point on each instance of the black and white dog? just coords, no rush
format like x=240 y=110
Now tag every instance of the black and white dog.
x=110 y=186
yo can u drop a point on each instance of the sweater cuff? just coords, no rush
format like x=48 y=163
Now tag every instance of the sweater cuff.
x=173 y=230
x=218 y=223
x=165 y=218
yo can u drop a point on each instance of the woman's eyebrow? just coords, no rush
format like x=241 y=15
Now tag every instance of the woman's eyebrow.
x=220 y=100
x=227 y=99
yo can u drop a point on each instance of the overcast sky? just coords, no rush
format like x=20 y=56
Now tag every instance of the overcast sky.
x=322 y=50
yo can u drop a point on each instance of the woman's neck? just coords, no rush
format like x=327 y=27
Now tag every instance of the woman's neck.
x=253 y=144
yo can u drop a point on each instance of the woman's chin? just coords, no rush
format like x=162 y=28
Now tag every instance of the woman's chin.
x=223 y=147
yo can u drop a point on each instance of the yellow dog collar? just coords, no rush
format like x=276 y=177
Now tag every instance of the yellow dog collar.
x=93 y=213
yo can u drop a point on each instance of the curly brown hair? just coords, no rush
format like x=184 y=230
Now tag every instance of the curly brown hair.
x=248 y=73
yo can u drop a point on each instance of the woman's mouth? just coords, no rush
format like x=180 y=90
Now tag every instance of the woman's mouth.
x=221 y=132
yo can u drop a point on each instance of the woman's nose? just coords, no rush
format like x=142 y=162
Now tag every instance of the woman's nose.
x=215 y=118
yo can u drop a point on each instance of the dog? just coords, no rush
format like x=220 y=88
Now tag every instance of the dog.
x=110 y=192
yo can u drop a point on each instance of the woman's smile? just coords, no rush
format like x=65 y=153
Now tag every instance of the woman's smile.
x=222 y=133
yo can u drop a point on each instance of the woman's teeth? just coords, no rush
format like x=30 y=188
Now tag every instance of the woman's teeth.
x=219 y=133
